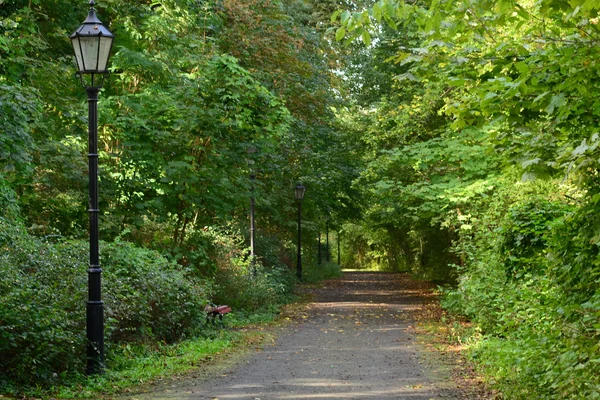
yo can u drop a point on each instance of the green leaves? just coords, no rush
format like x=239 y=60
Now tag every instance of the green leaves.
x=346 y=15
x=147 y=298
x=556 y=102
x=20 y=110
x=503 y=169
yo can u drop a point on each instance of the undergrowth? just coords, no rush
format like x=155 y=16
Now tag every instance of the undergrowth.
x=529 y=285
x=154 y=312
x=317 y=273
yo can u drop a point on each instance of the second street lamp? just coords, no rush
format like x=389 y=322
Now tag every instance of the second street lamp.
x=299 y=191
x=92 y=43
x=327 y=239
x=252 y=150
x=339 y=240
x=319 y=248
x=252 y=226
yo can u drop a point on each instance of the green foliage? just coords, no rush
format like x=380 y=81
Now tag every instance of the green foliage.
x=149 y=296
x=19 y=108
x=9 y=207
x=539 y=325
x=516 y=86
x=43 y=292
x=377 y=249
x=239 y=287
x=524 y=235
x=242 y=285
x=314 y=273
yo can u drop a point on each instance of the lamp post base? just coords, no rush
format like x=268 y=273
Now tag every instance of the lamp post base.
x=95 y=336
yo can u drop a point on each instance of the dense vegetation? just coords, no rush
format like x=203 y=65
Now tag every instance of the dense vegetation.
x=454 y=139
x=482 y=131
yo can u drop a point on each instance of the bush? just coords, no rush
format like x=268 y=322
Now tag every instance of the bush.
x=314 y=273
x=238 y=283
x=43 y=292
x=149 y=296
x=238 y=286
x=529 y=282
x=40 y=325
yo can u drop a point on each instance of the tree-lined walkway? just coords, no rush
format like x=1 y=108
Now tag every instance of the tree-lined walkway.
x=355 y=343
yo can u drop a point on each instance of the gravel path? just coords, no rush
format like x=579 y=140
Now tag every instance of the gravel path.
x=355 y=342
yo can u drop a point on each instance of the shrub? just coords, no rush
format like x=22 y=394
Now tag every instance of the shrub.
x=41 y=308
x=314 y=273
x=529 y=282
x=239 y=286
x=238 y=283
x=43 y=291
x=149 y=296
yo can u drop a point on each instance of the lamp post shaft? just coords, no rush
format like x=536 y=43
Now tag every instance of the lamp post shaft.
x=339 y=245
x=95 y=307
x=299 y=261
x=252 y=228
x=319 y=241
x=327 y=239
x=252 y=253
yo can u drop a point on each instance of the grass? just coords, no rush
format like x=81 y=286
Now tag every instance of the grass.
x=132 y=367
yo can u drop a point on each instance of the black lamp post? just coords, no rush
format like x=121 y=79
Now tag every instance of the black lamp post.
x=327 y=239
x=339 y=244
x=319 y=242
x=252 y=227
x=92 y=43
x=299 y=193
x=251 y=150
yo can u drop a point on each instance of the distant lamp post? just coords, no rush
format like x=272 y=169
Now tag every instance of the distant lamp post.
x=92 y=43
x=327 y=239
x=339 y=245
x=252 y=227
x=299 y=193
x=319 y=242
x=251 y=150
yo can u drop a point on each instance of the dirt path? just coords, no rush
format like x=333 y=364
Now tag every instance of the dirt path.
x=355 y=343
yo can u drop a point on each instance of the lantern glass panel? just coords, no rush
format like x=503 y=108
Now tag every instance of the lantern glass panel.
x=86 y=52
x=78 y=54
x=104 y=52
x=300 y=192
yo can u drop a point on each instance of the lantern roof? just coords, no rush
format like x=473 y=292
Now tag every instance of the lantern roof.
x=92 y=26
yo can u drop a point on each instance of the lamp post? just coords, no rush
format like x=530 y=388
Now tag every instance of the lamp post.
x=319 y=242
x=327 y=239
x=92 y=43
x=339 y=244
x=299 y=193
x=252 y=227
x=251 y=150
